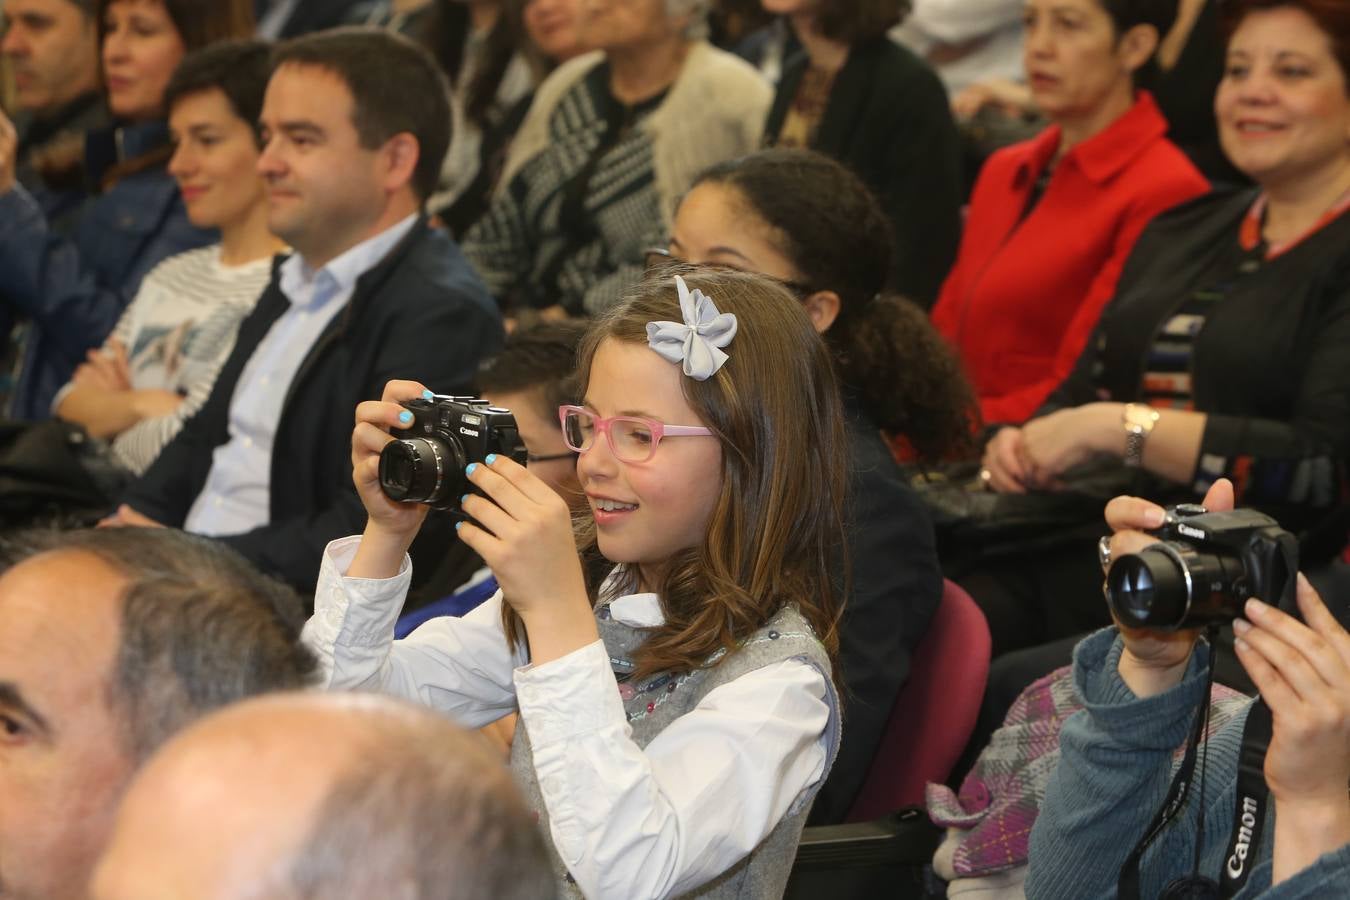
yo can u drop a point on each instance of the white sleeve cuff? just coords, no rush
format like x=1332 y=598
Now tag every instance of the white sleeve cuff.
x=573 y=695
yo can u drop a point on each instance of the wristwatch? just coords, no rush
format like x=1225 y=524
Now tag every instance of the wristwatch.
x=1138 y=420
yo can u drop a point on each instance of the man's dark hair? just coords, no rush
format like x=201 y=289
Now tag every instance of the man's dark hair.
x=541 y=358
x=425 y=812
x=396 y=87
x=201 y=628
x=238 y=69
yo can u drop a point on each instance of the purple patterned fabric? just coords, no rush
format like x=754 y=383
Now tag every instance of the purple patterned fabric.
x=1000 y=798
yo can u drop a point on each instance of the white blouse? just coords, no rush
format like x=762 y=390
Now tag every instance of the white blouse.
x=627 y=821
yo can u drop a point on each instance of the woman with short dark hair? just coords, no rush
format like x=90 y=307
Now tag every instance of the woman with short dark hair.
x=1053 y=219
x=855 y=95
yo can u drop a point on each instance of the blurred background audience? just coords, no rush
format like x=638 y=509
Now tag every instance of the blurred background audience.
x=857 y=96
x=967 y=42
x=51 y=49
x=611 y=141
x=60 y=296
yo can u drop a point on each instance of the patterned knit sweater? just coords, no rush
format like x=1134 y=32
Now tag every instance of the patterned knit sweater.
x=539 y=245
x=1116 y=763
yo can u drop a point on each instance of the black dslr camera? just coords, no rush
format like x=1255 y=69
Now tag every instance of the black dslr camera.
x=1205 y=568
x=426 y=463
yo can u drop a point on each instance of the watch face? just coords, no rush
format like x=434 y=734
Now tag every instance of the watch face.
x=1139 y=418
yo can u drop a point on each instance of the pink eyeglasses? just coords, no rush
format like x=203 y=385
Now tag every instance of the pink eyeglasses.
x=632 y=438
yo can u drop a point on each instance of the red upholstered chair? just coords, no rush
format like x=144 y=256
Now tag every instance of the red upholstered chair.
x=935 y=711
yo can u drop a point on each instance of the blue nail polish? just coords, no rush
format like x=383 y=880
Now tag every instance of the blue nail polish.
x=459 y=525
x=463 y=498
x=428 y=395
x=469 y=470
x=490 y=458
x=405 y=417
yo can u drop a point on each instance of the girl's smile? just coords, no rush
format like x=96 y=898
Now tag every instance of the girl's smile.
x=647 y=512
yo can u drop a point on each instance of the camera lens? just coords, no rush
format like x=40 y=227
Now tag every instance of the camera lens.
x=1149 y=589
x=421 y=470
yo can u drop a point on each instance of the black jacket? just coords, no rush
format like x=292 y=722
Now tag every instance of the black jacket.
x=1270 y=368
x=888 y=120
x=896 y=588
x=419 y=314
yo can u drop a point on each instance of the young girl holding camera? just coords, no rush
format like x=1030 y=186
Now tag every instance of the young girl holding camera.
x=677 y=720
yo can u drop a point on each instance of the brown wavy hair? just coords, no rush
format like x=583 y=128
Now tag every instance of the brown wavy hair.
x=775 y=536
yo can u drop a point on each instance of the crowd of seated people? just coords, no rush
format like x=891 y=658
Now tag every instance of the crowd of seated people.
x=718 y=262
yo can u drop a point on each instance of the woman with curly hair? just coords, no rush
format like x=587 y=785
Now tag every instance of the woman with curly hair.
x=806 y=220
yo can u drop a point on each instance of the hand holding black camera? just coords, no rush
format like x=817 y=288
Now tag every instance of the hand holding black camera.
x=426 y=461
x=1202 y=570
x=1154 y=659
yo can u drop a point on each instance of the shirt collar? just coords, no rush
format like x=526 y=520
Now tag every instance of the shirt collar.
x=638 y=610
x=641 y=610
x=341 y=272
x=1102 y=156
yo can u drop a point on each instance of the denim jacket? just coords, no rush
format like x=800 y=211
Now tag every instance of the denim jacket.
x=72 y=290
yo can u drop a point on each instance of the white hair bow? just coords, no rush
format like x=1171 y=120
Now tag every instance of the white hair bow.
x=696 y=343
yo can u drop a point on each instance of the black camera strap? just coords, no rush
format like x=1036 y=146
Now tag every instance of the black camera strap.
x=1177 y=792
x=1251 y=796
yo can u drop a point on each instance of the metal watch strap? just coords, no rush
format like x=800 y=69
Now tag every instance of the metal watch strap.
x=1137 y=430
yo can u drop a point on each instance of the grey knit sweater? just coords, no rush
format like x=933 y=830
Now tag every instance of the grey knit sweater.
x=1116 y=764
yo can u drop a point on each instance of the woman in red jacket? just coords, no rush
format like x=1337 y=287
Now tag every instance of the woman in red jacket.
x=1052 y=219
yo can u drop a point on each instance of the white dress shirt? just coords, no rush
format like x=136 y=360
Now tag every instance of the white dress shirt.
x=237 y=495
x=627 y=821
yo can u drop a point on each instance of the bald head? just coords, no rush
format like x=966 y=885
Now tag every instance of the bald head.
x=324 y=795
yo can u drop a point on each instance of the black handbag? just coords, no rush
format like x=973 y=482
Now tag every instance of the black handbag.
x=54 y=472
x=974 y=524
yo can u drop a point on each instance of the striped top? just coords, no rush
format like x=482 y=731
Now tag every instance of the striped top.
x=178 y=331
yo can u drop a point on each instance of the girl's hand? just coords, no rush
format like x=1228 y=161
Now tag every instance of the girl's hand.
x=1056 y=443
x=522 y=529
x=374 y=418
x=1154 y=661
x=1003 y=460
x=1303 y=672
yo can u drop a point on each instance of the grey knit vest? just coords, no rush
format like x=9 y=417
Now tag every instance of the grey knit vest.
x=660 y=700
